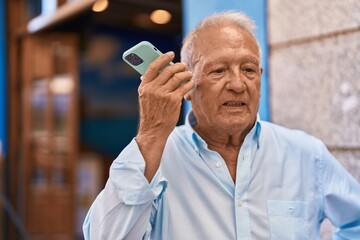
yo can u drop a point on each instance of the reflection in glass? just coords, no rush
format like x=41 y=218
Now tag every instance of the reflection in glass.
x=39 y=100
x=61 y=106
x=60 y=173
x=39 y=175
x=61 y=87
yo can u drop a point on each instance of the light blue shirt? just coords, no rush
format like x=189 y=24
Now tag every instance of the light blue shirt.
x=287 y=183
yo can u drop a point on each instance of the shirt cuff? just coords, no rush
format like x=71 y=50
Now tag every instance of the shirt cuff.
x=127 y=176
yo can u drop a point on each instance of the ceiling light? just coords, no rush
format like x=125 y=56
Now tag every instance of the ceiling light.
x=160 y=16
x=100 y=5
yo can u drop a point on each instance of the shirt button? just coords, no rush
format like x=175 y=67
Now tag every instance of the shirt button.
x=218 y=164
x=240 y=203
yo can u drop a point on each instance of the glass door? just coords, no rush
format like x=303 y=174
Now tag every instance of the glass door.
x=50 y=72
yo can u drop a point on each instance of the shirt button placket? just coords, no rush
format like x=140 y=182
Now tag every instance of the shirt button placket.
x=242 y=213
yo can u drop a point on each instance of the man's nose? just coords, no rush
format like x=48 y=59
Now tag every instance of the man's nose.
x=236 y=82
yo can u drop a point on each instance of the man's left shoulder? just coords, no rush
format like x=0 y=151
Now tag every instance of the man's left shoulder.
x=287 y=136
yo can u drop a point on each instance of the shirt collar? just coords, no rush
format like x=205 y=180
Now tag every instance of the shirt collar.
x=196 y=141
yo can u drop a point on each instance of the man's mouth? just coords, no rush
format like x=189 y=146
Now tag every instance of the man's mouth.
x=234 y=104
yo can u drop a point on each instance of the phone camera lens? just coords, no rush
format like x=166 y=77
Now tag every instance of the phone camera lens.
x=134 y=59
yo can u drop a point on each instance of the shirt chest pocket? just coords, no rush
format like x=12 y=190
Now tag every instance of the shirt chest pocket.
x=288 y=220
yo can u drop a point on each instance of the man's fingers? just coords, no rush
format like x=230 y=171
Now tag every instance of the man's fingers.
x=156 y=66
x=178 y=79
x=169 y=72
x=185 y=88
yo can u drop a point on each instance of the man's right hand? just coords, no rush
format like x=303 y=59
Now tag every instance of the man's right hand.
x=161 y=92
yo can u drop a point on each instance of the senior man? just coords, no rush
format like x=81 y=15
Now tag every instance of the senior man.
x=225 y=174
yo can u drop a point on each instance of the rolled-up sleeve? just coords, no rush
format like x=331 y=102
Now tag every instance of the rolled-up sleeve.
x=123 y=209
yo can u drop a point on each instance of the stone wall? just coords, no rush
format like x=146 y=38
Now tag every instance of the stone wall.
x=314 y=74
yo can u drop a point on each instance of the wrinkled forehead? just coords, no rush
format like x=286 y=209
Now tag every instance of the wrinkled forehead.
x=230 y=37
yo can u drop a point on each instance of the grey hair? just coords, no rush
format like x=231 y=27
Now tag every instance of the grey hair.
x=215 y=20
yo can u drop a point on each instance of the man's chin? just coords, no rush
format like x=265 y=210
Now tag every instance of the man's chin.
x=237 y=122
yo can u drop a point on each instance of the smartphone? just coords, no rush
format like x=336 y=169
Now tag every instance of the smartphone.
x=141 y=55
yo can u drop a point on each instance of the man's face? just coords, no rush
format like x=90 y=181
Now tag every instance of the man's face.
x=227 y=77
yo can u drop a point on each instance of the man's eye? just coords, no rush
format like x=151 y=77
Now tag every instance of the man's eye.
x=218 y=70
x=249 y=70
